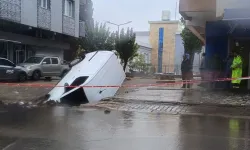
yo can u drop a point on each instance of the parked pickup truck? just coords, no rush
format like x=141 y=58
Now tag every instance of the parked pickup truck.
x=43 y=66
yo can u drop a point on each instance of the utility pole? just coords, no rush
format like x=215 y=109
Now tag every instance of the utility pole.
x=176 y=9
x=118 y=26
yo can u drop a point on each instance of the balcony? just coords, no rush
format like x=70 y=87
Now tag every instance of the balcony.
x=10 y=10
x=44 y=18
x=197 y=13
x=82 y=29
x=68 y=25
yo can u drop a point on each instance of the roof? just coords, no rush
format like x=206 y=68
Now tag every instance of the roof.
x=140 y=43
x=142 y=33
x=164 y=22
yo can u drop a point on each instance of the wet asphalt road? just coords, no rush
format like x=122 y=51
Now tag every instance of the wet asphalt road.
x=62 y=128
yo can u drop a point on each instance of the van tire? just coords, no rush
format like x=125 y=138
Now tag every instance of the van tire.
x=36 y=75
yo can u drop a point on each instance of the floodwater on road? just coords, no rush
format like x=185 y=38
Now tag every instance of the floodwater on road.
x=64 y=128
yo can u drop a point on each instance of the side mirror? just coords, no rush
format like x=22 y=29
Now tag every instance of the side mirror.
x=44 y=63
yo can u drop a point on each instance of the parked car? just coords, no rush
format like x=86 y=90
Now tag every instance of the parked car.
x=9 y=71
x=43 y=66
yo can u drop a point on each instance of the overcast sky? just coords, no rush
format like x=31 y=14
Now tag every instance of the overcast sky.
x=137 y=11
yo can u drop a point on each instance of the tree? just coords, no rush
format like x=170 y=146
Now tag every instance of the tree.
x=98 y=38
x=138 y=63
x=192 y=44
x=126 y=46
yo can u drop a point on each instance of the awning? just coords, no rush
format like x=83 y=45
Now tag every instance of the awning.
x=237 y=18
x=236 y=14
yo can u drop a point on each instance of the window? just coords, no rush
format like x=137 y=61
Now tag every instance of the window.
x=4 y=49
x=34 y=60
x=46 y=61
x=4 y=62
x=54 y=60
x=68 y=8
x=45 y=4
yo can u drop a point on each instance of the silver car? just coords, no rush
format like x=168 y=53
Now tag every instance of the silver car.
x=43 y=66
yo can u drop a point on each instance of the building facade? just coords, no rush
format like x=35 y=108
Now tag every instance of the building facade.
x=222 y=25
x=162 y=39
x=39 y=27
x=145 y=49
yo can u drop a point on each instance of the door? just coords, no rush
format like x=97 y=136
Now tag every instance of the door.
x=46 y=67
x=7 y=70
x=55 y=66
x=20 y=56
x=2 y=69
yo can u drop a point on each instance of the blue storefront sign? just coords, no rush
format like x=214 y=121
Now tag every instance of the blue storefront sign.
x=160 y=49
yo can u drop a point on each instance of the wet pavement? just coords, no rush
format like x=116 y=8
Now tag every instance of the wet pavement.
x=62 y=128
x=14 y=93
x=185 y=96
x=175 y=109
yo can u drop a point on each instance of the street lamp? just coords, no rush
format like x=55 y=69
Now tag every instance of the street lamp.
x=118 y=25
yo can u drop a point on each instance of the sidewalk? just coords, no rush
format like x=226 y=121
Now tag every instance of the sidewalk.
x=176 y=95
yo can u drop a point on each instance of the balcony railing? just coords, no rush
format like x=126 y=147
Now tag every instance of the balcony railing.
x=10 y=10
x=44 y=18
x=68 y=25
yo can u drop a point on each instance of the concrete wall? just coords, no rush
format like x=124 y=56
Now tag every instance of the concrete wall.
x=29 y=12
x=197 y=5
x=179 y=49
x=227 y=4
x=77 y=11
x=56 y=15
x=168 y=44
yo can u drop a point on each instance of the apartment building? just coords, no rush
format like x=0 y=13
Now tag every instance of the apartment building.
x=40 y=27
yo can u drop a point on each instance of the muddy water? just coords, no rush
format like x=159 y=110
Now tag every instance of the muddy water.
x=64 y=128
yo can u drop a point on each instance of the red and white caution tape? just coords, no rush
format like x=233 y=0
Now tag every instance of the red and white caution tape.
x=173 y=82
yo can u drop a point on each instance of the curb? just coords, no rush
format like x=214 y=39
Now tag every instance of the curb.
x=105 y=108
x=121 y=100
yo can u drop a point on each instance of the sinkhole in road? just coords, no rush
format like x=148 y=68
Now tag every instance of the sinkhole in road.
x=75 y=98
